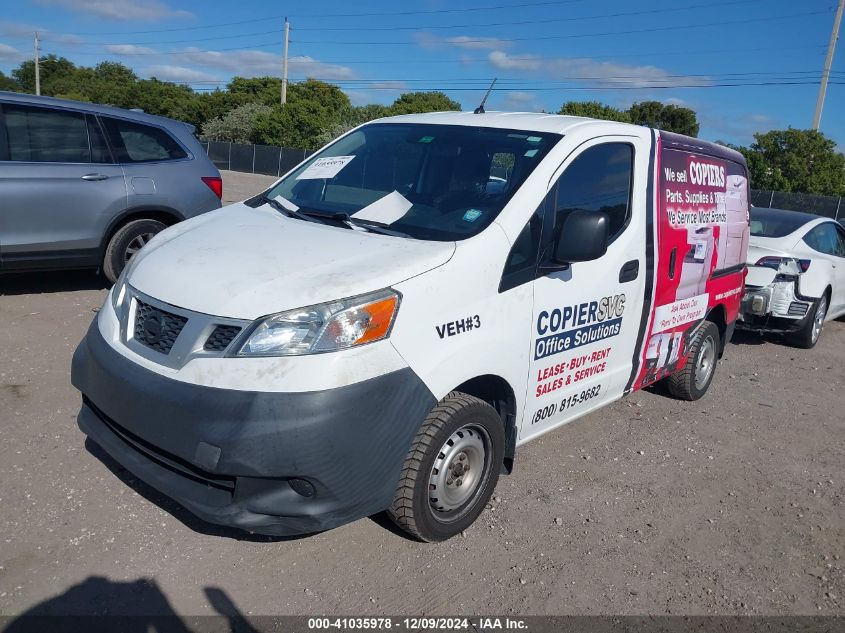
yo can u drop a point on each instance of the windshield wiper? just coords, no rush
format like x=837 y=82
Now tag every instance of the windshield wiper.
x=377 y=227
x=289 y=209
x=314 y=215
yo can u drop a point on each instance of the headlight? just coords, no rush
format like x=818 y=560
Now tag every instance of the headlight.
x=324 y=328
x=119 y=294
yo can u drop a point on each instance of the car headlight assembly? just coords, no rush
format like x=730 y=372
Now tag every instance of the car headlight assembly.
x=326 y=327
x=119 y=294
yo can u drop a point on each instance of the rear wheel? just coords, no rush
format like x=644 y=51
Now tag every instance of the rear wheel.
x=691 y=381
x=809 y=334
x=451 y=469
x=126 y=242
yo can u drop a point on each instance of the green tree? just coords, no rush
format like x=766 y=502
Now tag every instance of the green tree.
x=7 y=83
x=51 y=67
x=671 y=118
x=312 y=108
x=414 y=102
x=594 y=110
x=803 y=161
x=236 y=126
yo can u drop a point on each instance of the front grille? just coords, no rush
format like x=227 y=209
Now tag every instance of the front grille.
x=157 y=329
x=221 y=337
x=797 y=308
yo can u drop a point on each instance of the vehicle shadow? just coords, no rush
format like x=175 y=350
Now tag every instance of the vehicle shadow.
x=170 y=506
x=741 y=337
x=137 y=606
x=51 y=281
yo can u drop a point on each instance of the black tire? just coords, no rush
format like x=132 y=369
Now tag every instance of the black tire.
x=691 y=381
x=808 y=335
x=122 y=244
x=471 y=421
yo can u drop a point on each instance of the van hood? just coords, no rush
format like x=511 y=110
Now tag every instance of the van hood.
x=245 y=263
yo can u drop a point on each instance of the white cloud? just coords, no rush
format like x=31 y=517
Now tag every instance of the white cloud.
x=129 y=10
x=10 y=54
x=429 y=40
x=179 y=74
x=503 y=61
x=519 y=101
x=476 y=43
x=250 y=63
x=129 y=49
x=27 y=31
x=592 y=71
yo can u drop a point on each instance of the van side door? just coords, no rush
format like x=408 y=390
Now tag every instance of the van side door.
x=587 y=317
x=57 y=183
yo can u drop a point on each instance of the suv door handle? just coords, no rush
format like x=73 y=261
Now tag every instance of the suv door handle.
x=94 y=177
x=629 y=271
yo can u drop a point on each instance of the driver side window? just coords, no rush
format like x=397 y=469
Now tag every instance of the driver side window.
x=599 y=179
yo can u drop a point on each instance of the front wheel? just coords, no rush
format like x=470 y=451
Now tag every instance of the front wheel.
x=691 y=381
x=128 y=240
x=451 y=469
x=808 y=335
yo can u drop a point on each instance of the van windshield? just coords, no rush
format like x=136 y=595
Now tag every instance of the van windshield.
x=430 y=182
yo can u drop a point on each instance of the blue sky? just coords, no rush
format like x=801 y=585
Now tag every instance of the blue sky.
x=744 y=65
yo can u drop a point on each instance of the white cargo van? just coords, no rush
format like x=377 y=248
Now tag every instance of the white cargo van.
x=385 y=325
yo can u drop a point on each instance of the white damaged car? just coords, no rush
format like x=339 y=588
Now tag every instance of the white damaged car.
x=796 y=275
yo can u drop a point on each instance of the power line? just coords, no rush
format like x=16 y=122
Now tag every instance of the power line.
x=580 y=35
x=450 y=60
x=527 y=22
x=593 y=88
x=472 y=40
x=337 y=15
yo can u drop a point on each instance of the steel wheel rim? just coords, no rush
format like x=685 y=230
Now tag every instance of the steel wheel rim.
x=459 y=472
x=705 y=363
x=136 y=244
x=818 y=319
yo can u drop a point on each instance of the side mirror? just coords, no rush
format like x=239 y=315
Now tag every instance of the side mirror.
x=583 y=237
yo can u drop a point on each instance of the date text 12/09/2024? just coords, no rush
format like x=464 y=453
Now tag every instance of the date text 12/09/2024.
x=417 y=624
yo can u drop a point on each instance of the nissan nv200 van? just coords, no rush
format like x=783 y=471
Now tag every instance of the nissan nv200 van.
x=384 y=326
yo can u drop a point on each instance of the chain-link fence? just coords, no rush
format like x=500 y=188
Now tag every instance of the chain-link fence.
x=254 y=159
x=828 y=206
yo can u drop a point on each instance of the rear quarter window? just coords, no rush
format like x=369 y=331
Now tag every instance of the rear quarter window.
x=138 y=143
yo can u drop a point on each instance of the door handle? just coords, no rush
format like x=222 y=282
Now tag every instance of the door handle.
x=629 y=271
x=94 y=177
x=672 y=257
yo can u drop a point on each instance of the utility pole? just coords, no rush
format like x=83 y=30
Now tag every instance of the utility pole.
x=37 y=73
x=285 y=64
x=827 y=64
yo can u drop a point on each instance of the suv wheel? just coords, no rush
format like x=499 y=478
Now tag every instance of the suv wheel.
x=128 y=240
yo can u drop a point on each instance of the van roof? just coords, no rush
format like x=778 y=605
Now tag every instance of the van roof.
x=559 y=124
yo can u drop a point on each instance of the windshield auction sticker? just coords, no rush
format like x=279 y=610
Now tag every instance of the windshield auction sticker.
x=325 y=168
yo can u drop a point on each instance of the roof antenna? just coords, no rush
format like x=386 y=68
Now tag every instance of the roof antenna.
x=480 y=108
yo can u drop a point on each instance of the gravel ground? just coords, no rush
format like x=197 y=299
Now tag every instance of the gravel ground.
x=729 y=505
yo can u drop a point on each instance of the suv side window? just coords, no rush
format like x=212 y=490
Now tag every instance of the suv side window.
x=45 y=135
x=599 y=179
x=824 y=238
x=138 y=143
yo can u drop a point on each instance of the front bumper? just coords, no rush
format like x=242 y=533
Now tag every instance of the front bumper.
x=272 y=463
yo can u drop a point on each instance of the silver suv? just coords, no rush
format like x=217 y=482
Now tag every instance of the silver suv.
x=84 y=185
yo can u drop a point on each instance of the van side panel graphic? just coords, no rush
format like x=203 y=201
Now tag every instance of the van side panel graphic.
x=702 y=234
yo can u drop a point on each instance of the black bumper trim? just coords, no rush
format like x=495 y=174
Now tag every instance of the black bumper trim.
x=349 y=443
